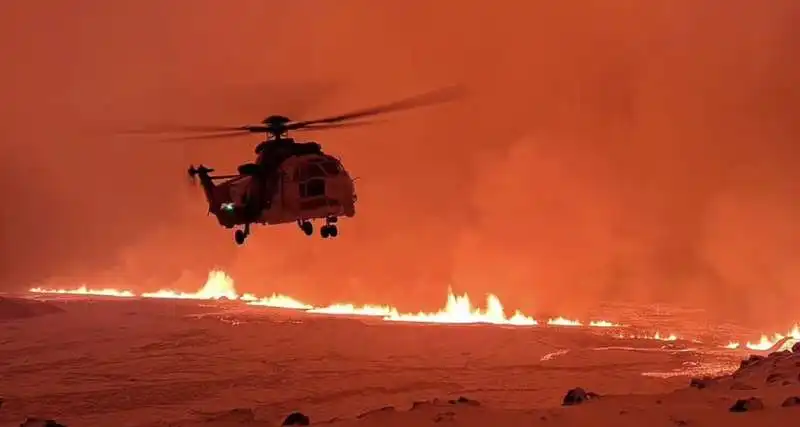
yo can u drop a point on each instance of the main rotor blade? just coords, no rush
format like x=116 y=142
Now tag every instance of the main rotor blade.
x=211 y=136
x=423 y=100
x=227 y=130
x=324 y=126
x=178 y=129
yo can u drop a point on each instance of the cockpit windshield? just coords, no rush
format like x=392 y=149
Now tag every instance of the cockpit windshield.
x=331 y=167
x=318 y=169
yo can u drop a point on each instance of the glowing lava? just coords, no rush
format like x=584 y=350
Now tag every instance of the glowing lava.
x=279 y=301
x=766 y=343
x=457 y=310
x=83 y=290
x=603 y=324
x=353 y=310
x=560 y=321
x=218 y=286
x=656 y=336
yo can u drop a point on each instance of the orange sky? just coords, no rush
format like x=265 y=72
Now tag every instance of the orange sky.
x=620 y=149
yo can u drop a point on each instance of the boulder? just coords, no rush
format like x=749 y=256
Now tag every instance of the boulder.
x=464 y=401
x=791 y=401
x=747 y=405
x=296 y=419
x=38 y=422
x=701 y=383
x=577 y=395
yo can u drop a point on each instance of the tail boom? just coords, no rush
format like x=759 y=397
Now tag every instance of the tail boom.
x=207 y=183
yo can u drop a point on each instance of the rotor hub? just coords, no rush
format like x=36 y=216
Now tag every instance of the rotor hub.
x=276 y=125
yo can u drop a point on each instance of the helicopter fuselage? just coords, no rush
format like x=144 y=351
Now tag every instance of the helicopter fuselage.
x=294 y=183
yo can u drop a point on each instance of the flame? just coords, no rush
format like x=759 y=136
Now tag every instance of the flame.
x=458 y=309
x=280 y=301
x=83 y=290
x=603 y=324
x=656 y=336
x=670 y=337
x=767 y=343
x=350 y=309
x=218 y=286
x=560 y=321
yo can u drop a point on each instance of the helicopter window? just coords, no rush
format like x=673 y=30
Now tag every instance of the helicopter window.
x=311 y=170
x=312 y=188
x=331 y=168
x=314 y=170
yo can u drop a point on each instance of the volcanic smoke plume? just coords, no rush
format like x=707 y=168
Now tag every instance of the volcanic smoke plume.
x=610 y=151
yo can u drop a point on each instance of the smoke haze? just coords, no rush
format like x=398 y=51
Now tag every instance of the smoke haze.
x=618 y=150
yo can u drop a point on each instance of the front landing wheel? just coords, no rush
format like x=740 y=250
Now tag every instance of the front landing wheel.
x=328 y=231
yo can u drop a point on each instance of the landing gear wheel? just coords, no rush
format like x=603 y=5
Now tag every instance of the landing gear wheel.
x=240 y=237
x=307 y=228
x=328 y=231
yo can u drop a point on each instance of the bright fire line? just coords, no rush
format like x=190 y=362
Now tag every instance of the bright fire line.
x=458 y=310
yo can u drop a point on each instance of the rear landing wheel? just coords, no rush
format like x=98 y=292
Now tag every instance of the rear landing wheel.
x=307 y=228
x=328 y=231
x=240 y=237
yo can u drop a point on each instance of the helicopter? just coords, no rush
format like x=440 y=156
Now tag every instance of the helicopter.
x=289 y=181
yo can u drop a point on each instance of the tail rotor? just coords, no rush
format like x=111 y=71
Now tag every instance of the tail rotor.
x=199 y=170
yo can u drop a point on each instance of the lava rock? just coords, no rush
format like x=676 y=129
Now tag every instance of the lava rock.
x=771 y=378
x=237 y=415
x=444 y=416
x=464 y=401
x=791 y=401
x=738 y=385
x=776 y=354
x=296 y=419
x=750 y=361
x=577 y=395
x=701 y=383
x=376 y=411
x=418 y=404
x=796 y=347
x=747 y=405
x=37 y=422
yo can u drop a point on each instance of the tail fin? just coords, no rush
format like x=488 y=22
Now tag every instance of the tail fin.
x=206 y=182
